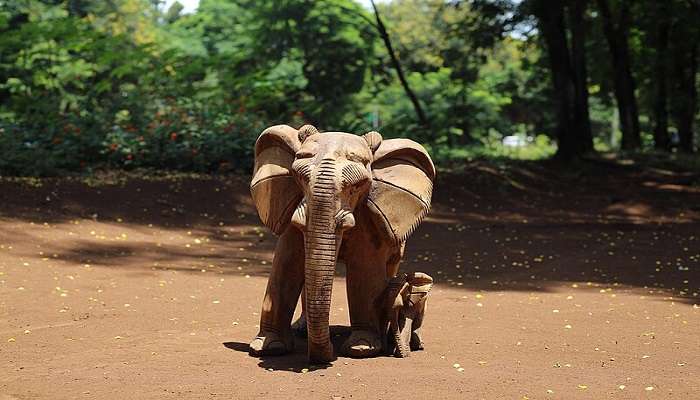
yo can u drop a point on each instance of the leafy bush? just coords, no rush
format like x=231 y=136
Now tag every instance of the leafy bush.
x=181 y=135
x=540 y=147
x=185 y=135
x=87 y=84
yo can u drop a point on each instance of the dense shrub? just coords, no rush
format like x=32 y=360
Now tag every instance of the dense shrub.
x=178 y=136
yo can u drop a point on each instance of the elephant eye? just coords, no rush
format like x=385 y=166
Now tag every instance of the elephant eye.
x=354 y=174
x=302 y=169
x=303 y=154
x=358 y=159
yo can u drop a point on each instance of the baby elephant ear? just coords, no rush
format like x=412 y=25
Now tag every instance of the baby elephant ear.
x=402 y=187
x=420 y=284
x=275 y=192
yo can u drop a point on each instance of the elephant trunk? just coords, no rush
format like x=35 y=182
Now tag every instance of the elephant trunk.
x=321 y=251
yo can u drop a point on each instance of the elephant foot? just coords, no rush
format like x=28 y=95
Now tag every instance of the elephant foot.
x=269 y=344
x=299 y=327
x=362 y=344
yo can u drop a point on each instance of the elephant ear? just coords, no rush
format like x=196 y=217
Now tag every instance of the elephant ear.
x=402 y=187
x=420 y=284
x=275 y=191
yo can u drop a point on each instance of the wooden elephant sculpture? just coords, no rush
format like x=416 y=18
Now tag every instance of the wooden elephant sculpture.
x=406 y=303
x=334 y=196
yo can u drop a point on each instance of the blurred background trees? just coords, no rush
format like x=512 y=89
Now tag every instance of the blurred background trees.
x=132 y=83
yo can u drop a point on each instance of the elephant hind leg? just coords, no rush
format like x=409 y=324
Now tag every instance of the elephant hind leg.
x=299 y=326
x=369 y=265
x=366 y=283
x=362 y=344
x=270 y=344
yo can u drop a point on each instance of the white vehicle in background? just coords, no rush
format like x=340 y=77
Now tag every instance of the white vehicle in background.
x=515 y=141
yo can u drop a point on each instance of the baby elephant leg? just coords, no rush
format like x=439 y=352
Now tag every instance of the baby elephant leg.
x=407 y=311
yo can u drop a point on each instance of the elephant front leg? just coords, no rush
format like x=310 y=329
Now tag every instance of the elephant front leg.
x=283 y=289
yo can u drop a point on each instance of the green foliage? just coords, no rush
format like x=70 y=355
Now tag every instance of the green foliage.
x=537 y=148
x=125 y=87
x=126 y=84
x=187 y=135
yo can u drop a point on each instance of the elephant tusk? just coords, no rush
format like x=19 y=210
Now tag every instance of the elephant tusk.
x=344 y=220
x=299 y=216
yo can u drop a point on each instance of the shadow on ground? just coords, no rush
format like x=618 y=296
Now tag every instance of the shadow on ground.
x=296 y=361
x=526 y=227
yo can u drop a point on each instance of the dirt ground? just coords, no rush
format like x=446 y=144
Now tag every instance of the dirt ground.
x=550 y=285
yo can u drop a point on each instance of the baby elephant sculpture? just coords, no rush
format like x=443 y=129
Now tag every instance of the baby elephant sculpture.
x=335 y=196
x=407 y=297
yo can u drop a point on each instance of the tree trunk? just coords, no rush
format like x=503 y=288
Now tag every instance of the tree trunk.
x=693 y=89
x=550 y=15
x=616 y=34
x=422 y=119
x=581 y=117
x=661 y=139
x=685 y=104
x=464 y=121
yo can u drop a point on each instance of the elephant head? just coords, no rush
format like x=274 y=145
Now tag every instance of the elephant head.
x=316 y=181
x=406 y=302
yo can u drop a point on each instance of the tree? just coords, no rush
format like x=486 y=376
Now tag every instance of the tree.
x=662 y=18
x=616 y=27
x=381 y=29
x=685 y=34
x=569 y=75
x=581 y=115
x=330 y=40
x=472 y=34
